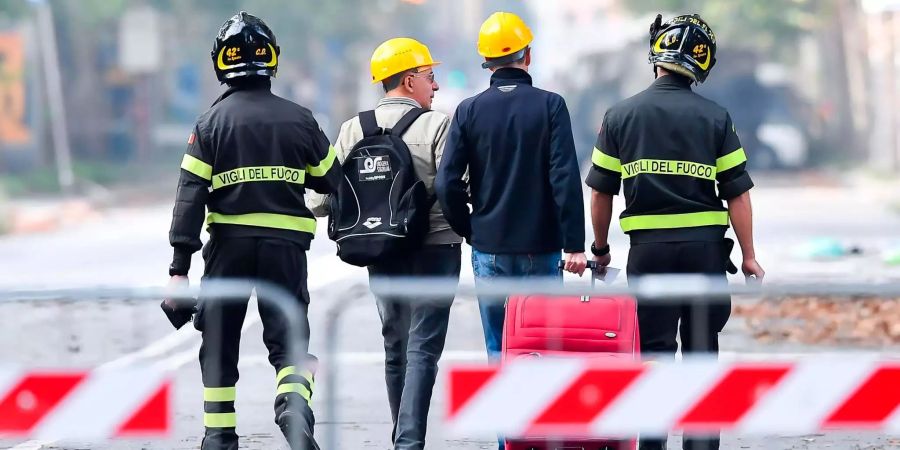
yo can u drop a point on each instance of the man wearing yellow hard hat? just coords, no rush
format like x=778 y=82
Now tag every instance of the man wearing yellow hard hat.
x=414 y=330
x=516 y=142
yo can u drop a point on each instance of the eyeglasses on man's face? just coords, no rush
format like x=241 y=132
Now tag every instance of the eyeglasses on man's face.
x=428 y=76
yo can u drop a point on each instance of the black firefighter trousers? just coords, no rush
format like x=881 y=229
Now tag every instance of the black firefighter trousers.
x=698 y=324
x=279 y=262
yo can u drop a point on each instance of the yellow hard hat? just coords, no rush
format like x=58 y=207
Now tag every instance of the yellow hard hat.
x=503 y=34
x=397 y=55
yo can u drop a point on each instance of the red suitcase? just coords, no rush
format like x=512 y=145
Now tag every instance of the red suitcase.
x=601 y=327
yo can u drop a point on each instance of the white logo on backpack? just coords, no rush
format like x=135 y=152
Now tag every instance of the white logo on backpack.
x=372 y=222
x=374 y=168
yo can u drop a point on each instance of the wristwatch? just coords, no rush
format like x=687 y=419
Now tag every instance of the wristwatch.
x=599 y=251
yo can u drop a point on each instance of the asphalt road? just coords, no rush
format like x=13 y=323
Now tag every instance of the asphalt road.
x=127 y=246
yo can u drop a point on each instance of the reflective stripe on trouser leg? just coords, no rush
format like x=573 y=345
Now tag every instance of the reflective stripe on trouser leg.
x=291 y=380
x=293 y=402
x=218 y=407
x=293 y=413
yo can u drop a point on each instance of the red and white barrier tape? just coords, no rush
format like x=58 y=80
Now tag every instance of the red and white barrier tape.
x=564 y=397
x=84 y=405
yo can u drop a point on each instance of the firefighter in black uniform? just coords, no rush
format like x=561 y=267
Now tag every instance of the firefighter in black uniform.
x=248 y=161
x=672 y=149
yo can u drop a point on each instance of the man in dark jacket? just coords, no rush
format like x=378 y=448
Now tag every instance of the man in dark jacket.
x=249 y=160
x=516 y=142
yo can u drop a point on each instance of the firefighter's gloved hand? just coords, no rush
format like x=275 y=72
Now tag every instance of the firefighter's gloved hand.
x=179 y=310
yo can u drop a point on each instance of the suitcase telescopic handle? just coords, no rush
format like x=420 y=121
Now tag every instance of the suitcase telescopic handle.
x=561 y=265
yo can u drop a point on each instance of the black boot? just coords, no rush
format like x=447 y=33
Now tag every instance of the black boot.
x=219 y=439
x=292 y=411
x=298 y=430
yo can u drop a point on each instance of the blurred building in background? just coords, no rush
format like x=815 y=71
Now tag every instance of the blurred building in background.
x=809 y=82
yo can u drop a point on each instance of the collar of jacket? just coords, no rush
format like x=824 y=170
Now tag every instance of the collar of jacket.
x=404 y=101
x=510 y=74
x=673 y=82
x=249 y=84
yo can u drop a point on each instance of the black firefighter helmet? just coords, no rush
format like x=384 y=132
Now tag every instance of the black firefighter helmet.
x=685 y=45
x=245 y=47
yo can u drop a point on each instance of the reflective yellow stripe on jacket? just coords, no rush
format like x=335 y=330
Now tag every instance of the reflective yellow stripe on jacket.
x=668 y=167
x=196 y=167
x=731 y=160
x=666 y=221
x=605 y=161
x=320 y=169
x=260 y=173
x=280 y=221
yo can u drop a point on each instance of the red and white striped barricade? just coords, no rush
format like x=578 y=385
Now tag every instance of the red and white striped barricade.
x=571 y=397
x=84 y=405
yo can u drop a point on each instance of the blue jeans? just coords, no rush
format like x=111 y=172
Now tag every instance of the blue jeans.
x=493 y=309
x=516 y=265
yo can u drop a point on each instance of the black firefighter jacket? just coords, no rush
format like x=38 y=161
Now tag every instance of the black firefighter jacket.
x=249 y=160
x=678 y=156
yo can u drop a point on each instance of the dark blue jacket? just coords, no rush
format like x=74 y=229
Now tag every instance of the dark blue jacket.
x=516 y=141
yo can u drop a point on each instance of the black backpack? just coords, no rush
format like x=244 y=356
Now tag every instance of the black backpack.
x=381 y=209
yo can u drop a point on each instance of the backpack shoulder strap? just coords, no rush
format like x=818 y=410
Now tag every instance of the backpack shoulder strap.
x=404 y=123
x=369 y=124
